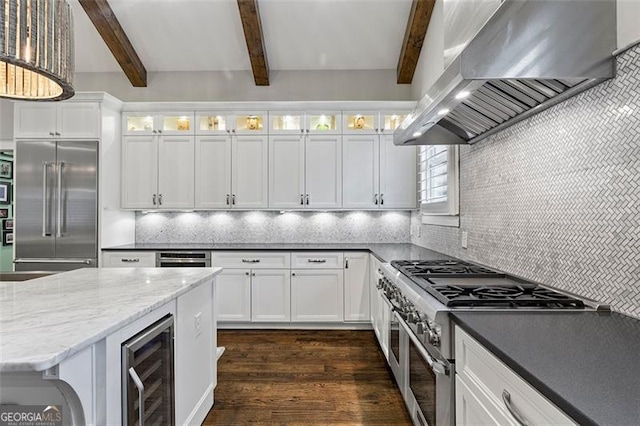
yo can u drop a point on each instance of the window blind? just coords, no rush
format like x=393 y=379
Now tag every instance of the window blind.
x=433 y=171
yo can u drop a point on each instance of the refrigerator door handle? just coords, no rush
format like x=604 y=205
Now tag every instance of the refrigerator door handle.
x=55 y=260
x=45 y=218
x=59 y=201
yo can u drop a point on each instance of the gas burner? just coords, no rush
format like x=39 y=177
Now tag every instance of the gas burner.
x=497 y=292
x=442 y=268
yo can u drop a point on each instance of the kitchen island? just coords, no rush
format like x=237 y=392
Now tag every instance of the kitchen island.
x=61 y=337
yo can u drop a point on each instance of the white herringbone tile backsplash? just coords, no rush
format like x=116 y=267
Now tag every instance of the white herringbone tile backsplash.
x=556 y=198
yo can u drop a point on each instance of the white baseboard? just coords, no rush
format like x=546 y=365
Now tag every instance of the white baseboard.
x=202 y=408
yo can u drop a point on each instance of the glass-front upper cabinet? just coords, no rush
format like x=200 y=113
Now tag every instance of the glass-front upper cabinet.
x=282 y=122
x=390 y=121
x=327 y=122
x=360 y=122
x=213 y=122
x=250 y=123
x=145 y=123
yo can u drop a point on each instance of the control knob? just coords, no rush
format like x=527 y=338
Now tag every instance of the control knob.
x=433 y=337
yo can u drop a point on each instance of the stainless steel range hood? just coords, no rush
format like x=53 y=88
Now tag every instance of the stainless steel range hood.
x=530 y=55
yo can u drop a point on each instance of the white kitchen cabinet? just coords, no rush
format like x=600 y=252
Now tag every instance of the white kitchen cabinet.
x=128 y=259
x=213 y=122
x=60 y=120
x=286 y=122
x=213 y=172
x=361 y=171
x=360 y=122
x=486 y=379
x=304 y=171
x=251 y=259
x=249 y=123
x=323 y=122
x=317 y=295
x=317 y=259
x=323 y=171
x=378 y=174
x=286 y=171
x=158 y=172
x=356 y=286
x=233 y=295
x=249 y=170
x=270 y=295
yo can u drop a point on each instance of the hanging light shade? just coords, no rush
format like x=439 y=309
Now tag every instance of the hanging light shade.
x=36 y=50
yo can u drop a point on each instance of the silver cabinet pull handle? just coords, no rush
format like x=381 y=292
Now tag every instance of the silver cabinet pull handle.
x=140 y=386
x=154 y=199
x=346 y=263
x=130 y=260
x=53 y=260
x=506 y=398
x=293 y=274
x=246 y=273
x=154 y=131
x=251 y=260
x=307 y=199
x=317 y=260
x=377 y=130
x=160 y=199
x=375 y=199
x=59 y=218
x=159 y=131
x=57 y=133
x=227 y=196
x=381 y=199
x=45 y=221
x=253 y=274
x=233 y=199
x=301 y=199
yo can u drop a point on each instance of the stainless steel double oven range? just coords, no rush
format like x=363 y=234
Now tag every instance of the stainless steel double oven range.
x=420 y=295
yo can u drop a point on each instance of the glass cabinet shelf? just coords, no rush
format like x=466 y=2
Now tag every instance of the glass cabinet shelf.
x=250 y=123
x=360 y=122
x=323 y=122
x=212 y=123
x=286 y=122
x=139 y=123
x=181 y=123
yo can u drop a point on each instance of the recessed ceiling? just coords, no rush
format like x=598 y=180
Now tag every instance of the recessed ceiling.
x=206 y=35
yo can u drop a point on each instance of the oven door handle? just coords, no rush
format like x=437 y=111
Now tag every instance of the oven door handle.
x=438 y=366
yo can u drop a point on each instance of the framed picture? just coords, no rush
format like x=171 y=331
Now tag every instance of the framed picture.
x=5 y=192
x=7 y=225
x=6 y=169
x=7 y=238
x=4 y=213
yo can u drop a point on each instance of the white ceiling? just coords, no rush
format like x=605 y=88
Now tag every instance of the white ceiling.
x=206 y=35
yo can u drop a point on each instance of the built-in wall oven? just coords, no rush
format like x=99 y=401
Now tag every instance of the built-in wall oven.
x=183 y=259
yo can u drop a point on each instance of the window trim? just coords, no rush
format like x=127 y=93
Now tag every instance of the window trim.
x=445 y=213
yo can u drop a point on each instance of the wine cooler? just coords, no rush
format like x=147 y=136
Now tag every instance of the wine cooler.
x=148 y=396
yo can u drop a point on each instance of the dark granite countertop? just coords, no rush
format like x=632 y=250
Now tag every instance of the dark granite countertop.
x=587 y=363
x=384 y=252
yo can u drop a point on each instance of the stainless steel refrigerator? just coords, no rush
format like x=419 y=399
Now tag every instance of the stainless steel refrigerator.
x=56 y=201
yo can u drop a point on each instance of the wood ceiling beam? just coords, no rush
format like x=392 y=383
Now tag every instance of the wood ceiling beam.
x=414 y=35
x=250 y=17
x=108 y=26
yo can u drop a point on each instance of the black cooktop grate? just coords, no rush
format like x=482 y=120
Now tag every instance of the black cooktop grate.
x=443 y=268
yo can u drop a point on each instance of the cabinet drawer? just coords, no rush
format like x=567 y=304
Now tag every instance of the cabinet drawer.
x=251 y=259
x=129 y=259
x=317 y=260
x=488 y=378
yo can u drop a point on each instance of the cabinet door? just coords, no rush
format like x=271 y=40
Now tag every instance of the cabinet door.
x=317 y=295
x=360 y=122
x=176 y=123
x=139 y=172
x=470 y=410
x=356 y=286
x=397 y=175
x=35 y=120
x=271 y=295
x=79 y=120
x=139 y=123
x=233 y=295
x=250 y=123
x=250 y=166
x=212 y=122
x=323 y=171
x=286 y=172
x=213 y=172
x=176 y=172
x=360 y=172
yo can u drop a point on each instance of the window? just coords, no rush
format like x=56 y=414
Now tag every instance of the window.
x=438 y=184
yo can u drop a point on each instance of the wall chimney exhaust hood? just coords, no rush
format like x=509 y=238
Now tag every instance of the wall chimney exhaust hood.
x=530 y=55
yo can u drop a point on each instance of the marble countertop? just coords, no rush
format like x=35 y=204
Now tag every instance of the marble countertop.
x=45 y=320
x=586 y=363
x=385 y=252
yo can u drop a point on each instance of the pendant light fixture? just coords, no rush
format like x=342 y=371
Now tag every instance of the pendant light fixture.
x=36 y=50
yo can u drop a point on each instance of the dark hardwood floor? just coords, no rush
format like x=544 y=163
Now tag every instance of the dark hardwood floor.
x=304 y=377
